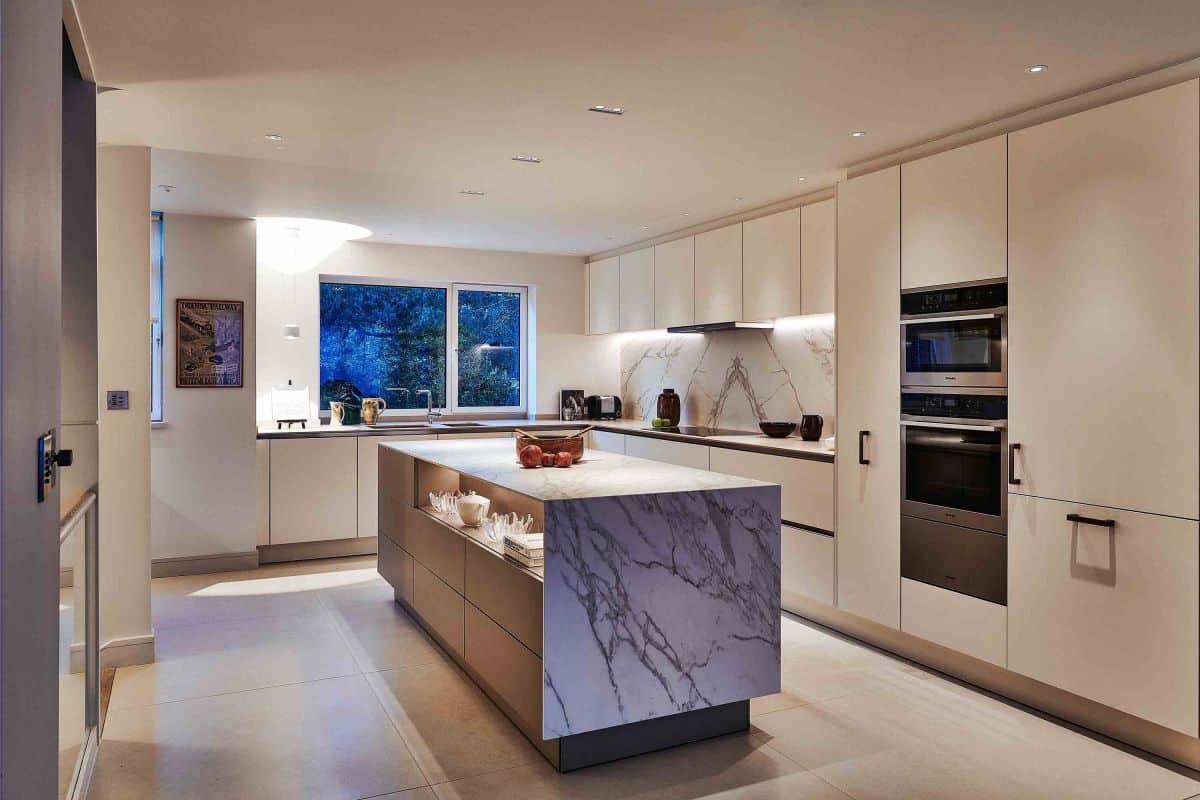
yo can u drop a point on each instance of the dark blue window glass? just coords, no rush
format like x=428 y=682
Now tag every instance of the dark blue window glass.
x=383 y=341
x=489 y=348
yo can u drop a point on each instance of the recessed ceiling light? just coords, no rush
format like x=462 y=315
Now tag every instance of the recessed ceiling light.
x=739 y=199
x=166 y=187
x=1036 y=68
x=685 y=213
x=472 y=192
x=645 y=227
x=528 y=159
x=607 y=110
x=802 y=179
x=274 y=138
x=858 y=134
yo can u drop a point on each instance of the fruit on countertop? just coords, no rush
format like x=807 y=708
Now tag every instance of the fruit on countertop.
x=564 y=459
x=660 y=422
x=548 y=459
x=531 y=456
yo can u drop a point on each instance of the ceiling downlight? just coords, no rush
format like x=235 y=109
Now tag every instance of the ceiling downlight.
x=614 y=110
x=528 y=159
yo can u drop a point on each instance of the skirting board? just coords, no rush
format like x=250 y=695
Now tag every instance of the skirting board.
x=1072 y=708
x=124 y=652
x=203 y=565
x=305 y=551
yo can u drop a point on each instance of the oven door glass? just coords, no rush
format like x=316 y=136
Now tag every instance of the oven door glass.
x=972 y=346
x=955 y=475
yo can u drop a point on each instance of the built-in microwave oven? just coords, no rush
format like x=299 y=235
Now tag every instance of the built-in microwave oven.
x=955 y=335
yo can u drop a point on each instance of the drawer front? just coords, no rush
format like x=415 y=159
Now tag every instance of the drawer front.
x=441 y=608
x=607 y=441
x=1112 y=614
x=396 y=475
x=396 y=567
x=960 y=559
x=510 y=670
x=951 y=619
x=807 y=485
x=807 y=569
x=682 y=454
x=439 y=548
x=509 y=596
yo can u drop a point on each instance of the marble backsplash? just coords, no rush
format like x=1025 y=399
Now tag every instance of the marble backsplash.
x=734 y=379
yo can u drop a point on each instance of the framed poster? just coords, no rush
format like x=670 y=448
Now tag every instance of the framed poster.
x=208 y=343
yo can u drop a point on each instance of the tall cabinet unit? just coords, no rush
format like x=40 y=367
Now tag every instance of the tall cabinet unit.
x=719 y=275
x=868 y=396
x=637 y=290
x=771 y=266
x=1104 y=404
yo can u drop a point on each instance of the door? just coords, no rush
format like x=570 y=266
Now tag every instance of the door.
x=1104 y=304
x=1109 y=613
x=868 y=397
x=30 y=325
x=719 y=275
x=604 y=295
x=771 y=266
x=637 y=290
x=674 y=283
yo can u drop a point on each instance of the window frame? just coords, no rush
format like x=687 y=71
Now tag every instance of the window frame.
x=157 y=325
x=451 y=355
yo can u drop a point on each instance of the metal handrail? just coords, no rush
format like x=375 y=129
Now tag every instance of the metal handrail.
x=87 y=511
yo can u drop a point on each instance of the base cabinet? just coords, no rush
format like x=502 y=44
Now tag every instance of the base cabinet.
x=368 y=480
x=314 y=490
x=682 y=454
x=1109 y=613
x=606 y=441
x=955 y=620
x=807 y=566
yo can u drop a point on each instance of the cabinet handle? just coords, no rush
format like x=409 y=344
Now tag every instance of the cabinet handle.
x=1013 y=480
x=1101 y=523
x=862 y=455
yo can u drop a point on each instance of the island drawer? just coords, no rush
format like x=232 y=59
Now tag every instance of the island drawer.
x=807 y=486
x=510 y=596
x=441 y=609
x=511 y=672
x=396 y=567
x=438 y=547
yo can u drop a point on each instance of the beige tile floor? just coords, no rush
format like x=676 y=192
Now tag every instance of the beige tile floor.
x=307 y=681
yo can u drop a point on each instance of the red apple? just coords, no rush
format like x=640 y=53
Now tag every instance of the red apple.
x=564 y=459
x=547 y=459
x=531 y=456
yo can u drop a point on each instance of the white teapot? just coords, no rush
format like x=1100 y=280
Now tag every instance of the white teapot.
x=472 y=508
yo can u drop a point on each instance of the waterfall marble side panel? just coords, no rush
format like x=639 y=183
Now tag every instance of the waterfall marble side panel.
x=658 y=604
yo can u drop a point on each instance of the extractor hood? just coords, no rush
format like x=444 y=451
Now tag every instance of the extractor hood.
x=708 y=327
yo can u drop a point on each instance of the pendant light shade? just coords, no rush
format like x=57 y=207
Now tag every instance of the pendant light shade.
x=291 y=331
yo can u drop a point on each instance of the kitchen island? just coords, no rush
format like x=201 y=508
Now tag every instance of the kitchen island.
x=655 y=617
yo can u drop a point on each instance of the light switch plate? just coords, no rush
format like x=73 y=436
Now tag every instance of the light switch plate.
x=118 y=400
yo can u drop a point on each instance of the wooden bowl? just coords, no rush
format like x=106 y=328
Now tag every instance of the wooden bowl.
x=554 y=444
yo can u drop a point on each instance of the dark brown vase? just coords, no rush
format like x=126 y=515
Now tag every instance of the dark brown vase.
x=668 y=406
x=811 y=426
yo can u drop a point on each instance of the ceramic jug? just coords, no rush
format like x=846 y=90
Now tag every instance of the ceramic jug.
x=472 y=508
x=337 y=413
x=371 y=408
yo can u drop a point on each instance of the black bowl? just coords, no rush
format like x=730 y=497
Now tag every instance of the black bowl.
x=777 y=430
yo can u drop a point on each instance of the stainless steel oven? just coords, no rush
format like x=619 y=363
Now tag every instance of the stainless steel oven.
x=955 y=335
x=954 y=489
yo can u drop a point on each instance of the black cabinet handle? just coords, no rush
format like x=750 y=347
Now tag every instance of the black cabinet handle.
x=862 y=455
x=1013 y=480
x=1102 y=523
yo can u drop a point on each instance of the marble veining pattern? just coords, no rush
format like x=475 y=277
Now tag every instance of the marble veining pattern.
x=735 y=379
x=659 y=604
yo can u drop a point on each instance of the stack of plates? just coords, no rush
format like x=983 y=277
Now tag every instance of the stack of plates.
x=525 y=548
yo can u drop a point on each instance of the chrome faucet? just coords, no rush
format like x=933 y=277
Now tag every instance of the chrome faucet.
x=430 y=415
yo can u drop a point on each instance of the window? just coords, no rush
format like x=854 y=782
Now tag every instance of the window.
x=465 y=344
x=156 y=317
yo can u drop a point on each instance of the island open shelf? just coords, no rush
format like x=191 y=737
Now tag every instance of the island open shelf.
x=653 y=622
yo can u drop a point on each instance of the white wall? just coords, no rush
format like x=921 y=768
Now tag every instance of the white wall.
x=202 y=458
x=565 y=356
x=123 y=320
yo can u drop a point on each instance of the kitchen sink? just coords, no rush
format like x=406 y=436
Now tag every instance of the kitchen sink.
x=401 y=425
x=462 y=424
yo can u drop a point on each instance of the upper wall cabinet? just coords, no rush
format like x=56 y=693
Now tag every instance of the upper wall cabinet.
x=818 y=257
x=674 y=283
x=953 y=216
x=771 y=266
x=637 y=290
x=1104 y=305
x=604 y=296
x=719 y=275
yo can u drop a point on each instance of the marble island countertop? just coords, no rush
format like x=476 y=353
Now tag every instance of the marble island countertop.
x=600 y=474
x=792 y=446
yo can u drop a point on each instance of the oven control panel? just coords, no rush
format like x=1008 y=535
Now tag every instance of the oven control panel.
x=962 y=298
x=960 y=406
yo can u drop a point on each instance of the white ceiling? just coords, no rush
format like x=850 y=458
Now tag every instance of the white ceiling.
x=389 y=108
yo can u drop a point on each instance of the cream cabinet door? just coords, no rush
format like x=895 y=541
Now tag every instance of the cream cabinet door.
x=953 y=219
x=607 y=441
x=1104 y=304
x=675 y=283
x=771 y=266
x=637 y=290
x=806 y=566
x=1112 y=614
x=806 y=485
x=719 y=275
x=368 y=479
x=604 y=295
x=314 y=489
x=868 y=396
x=818 y=257
x=682 y=454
